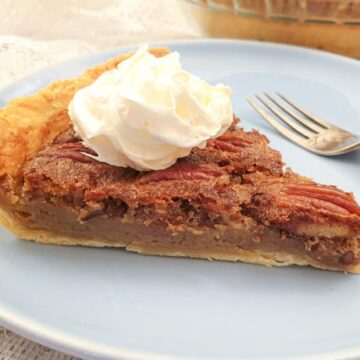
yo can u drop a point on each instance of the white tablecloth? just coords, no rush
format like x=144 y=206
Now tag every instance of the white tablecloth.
x=35 y=34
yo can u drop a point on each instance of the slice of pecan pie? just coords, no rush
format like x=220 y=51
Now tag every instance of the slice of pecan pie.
x=229 y=201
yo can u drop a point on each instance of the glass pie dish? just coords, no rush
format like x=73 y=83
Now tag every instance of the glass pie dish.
x=332 y=25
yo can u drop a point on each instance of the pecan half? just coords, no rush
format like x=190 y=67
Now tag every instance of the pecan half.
x=236 y=139
x=73 y=151
x=230 y=142
x=323 y=197
x=312 y=202
x=181 y=172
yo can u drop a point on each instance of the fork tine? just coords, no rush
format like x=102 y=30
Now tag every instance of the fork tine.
x=309 y=124
x=279 y=127
x=311 y=116
x=300 y=129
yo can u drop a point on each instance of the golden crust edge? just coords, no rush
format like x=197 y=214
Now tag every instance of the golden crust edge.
x=28 y=123
x=269 y=259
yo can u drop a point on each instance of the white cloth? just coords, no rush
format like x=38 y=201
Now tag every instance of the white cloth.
x=35 y=34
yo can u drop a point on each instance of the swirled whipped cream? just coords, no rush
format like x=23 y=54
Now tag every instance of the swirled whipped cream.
x=148 y=112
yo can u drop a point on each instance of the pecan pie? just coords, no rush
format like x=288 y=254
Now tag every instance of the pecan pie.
x=231 y=200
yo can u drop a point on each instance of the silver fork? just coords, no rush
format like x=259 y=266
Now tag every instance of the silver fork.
x=305 y=128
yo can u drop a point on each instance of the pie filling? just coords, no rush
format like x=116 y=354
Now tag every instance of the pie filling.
x=220 y=202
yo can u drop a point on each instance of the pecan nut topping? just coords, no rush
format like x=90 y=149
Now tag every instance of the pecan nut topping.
x=73 y=151
x=230 y=142
x=323 y=197
x=182 y=171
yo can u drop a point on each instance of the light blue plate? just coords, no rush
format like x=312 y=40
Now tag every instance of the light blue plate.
x=109 y=304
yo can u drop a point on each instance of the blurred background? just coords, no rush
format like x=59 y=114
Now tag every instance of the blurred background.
x=37 y=33
x=332 y=25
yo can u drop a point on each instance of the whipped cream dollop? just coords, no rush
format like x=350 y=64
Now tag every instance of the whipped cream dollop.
x=148 y=112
